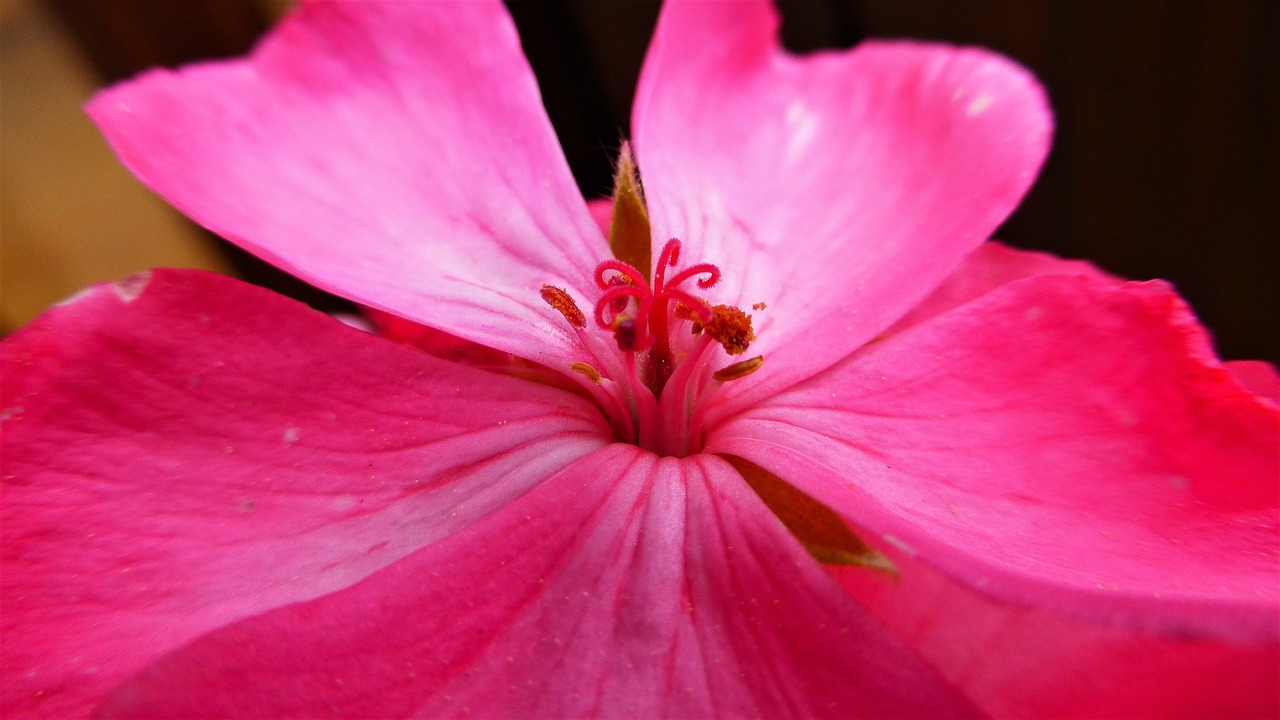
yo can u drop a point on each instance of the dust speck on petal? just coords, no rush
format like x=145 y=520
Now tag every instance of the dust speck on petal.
x=290 y=435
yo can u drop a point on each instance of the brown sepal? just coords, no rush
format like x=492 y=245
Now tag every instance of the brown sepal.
x=629 y=236
x=822 y=532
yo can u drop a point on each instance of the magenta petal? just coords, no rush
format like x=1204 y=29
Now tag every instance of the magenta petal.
x=1062 y=441
x=602 y=213
x=1258 y=377
x=435 y=342
x=839 y=188
x=990 y=266
x=396 y=153
x=1028 y=662
x=183 y=450
x=627 y=585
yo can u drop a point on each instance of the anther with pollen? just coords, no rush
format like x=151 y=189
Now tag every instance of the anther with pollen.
x=730 y=327
x=559 y=299
x=738 y=370
x=587 y=371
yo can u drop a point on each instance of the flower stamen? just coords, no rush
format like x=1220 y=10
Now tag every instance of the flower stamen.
x=586 y=371
x=559 y=299
x=663 y=387
x=730 y=327
x=739 y=370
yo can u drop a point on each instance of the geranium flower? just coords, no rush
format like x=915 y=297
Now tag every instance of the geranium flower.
x=607 y=491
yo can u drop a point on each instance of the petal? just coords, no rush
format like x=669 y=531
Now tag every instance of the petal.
x=1024 y=662
x=838 y=188
x=991 y=266
x=627 y=585
x=394 y=153
x=601 y=212
x=183 y=450
x=435 y=342
x=1258 y=377
x=1061 y=442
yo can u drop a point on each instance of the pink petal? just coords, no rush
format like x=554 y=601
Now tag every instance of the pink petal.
x=395 y=153
x=182 y=450
x=990 y=266
x=1062 y=442
x=1258 y=377
x=627 y=585
x=602 y=212
x=838 y=188
x=437 y=343
x=1026 y=662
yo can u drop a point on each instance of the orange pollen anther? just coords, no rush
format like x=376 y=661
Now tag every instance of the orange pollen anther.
x=684 y=312
x=559 y=299
x=730 y=327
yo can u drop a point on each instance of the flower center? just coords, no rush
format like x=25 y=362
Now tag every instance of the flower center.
x=656 y=377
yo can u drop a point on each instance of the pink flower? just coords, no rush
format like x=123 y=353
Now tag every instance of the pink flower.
x=218 y=502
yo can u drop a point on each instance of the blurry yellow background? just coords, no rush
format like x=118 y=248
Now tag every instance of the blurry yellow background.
x=70 y=215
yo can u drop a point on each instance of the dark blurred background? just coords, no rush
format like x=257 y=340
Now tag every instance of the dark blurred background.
x=1165 y=162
